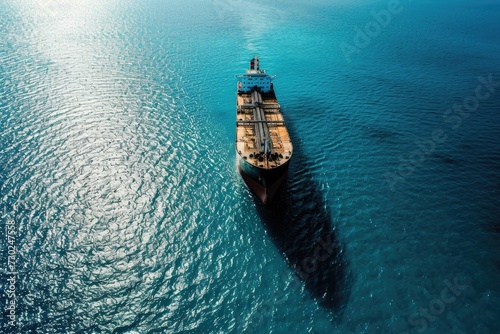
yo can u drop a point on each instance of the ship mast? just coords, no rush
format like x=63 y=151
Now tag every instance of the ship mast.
x=254 y=64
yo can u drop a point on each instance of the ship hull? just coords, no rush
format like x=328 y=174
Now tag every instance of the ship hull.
x=264 y=183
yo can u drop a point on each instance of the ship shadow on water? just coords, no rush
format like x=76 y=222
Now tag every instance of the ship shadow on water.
x=299 y=223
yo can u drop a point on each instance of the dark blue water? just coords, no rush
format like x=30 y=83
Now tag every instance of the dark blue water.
x=122 y=209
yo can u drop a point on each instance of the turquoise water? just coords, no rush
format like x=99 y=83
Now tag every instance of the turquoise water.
x=121 y=205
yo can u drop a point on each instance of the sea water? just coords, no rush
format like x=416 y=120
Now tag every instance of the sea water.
x=122 y=210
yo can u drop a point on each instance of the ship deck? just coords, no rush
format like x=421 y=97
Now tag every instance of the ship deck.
x=258 y=117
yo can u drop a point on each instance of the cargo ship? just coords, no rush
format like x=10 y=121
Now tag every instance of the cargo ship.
x=263 y=144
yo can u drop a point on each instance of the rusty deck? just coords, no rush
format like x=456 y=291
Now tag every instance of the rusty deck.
x=258 y=118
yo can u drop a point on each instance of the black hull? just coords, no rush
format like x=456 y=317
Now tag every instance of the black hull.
x=264 y=183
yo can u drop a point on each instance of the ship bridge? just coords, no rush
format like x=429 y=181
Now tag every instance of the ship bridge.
x=255 y=79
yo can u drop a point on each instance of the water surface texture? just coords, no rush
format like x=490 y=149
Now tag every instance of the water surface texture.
x=122 y=210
